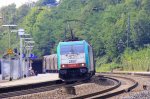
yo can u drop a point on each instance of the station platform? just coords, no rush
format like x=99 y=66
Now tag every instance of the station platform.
x=30 y=80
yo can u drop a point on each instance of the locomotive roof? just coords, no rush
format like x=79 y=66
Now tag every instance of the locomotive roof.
x=73 y=42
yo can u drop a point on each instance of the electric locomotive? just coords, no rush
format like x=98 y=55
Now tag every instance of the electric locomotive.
x=75 y=60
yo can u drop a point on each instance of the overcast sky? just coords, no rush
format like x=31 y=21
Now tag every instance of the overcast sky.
x=17 y=2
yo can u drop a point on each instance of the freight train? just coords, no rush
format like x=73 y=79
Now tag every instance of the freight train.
x=75 y=60
x=50 y=64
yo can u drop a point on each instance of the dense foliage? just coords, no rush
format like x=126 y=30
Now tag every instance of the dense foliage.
x=111 y=26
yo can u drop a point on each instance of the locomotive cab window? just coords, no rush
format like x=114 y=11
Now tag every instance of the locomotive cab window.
x=71 y=49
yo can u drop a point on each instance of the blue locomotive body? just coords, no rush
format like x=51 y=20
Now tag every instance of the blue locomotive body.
x=75 y=60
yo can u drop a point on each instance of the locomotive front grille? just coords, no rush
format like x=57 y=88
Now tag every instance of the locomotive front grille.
x=73 y=73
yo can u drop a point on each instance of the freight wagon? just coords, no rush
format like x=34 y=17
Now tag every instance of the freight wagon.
x=50 y=63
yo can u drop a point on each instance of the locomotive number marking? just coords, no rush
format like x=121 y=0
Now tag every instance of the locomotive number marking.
x=72 y=61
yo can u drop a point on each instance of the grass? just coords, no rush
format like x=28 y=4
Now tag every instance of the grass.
x=130 y=61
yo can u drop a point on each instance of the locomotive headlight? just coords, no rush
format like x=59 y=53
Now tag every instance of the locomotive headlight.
x=82 y=64
x=63 y=66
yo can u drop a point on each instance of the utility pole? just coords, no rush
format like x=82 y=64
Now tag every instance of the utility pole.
x=21 y=32
x=28 y=46
x=9 y=47
x=128 y=30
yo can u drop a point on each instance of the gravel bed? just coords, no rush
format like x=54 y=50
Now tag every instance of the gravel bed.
x=138 y=92
x=139 y=95
x=60 y=93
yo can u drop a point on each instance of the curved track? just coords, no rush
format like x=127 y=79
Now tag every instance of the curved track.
x=123 y=84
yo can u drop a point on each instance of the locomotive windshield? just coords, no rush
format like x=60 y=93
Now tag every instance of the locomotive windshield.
x=71 y=49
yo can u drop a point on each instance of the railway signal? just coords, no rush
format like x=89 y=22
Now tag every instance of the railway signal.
x=10 y=51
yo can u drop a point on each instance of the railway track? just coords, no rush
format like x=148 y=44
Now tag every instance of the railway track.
x=140 y=91
x=25 y=91
x=123 y=84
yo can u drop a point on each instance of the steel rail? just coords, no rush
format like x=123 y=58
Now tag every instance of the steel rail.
x=118 y=83
x=7 y=89
x=111 y=94
x=29 y=91
x=32 y=90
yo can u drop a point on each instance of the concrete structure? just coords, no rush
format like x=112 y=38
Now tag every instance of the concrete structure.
x=31 y=80
x=10 y=68
x=25 y=43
